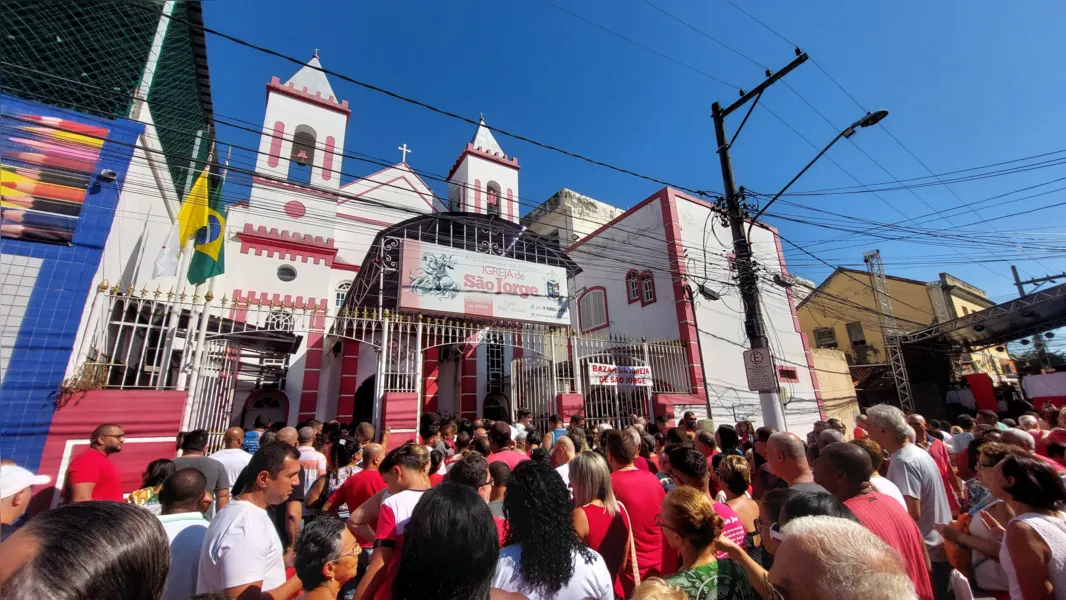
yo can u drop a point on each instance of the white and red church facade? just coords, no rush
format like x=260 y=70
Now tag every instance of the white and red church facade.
x=378 y=299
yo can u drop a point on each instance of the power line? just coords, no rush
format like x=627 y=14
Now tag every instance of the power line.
x=421 y=104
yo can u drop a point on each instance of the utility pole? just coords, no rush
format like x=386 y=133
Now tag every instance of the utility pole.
x=1038 y=341
x=772 y=411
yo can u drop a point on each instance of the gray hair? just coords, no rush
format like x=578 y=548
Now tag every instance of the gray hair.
x=843 y=549
x=306 y=435
x=320 y=542
x=829 y=436
x=789 y=444
x=890 y=417
x=1028 y=422
x=912 y=435
x=1017 y=437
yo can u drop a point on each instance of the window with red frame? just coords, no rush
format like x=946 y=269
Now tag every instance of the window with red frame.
x=633 y=286
x=592 y=310
x=647 y=288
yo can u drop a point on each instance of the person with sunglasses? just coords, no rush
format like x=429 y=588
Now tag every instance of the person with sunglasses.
x=92 y=475
x=692 y=527
x=326 y=558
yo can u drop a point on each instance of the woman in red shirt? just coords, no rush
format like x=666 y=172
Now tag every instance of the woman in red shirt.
x=602 y=522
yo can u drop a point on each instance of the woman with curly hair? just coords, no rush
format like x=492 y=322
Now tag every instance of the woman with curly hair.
x=558 y=565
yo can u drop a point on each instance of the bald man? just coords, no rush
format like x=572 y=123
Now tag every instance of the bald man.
x=289 y=436
x=845 y=469
x=788 y=460
x=356 y=490
x=561 y=454
x=232 y=456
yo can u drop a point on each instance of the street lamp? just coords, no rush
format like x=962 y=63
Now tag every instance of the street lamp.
x=870 y=118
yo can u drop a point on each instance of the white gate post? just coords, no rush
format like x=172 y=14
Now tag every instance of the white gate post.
x=576 y=362
x=379 y=381
x=418 y=371
x=650 y=392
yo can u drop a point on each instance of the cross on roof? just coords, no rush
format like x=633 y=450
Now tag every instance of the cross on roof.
x=405 y=151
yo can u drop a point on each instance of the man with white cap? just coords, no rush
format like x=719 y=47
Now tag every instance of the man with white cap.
x=15 y=484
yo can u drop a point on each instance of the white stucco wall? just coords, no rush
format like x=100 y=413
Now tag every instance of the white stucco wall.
x=634 y=242
x=721 y=322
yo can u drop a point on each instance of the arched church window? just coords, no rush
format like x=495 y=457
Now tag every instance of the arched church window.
x=633 y=286
x=493 y=192
x=342 y=292
x=302 y=156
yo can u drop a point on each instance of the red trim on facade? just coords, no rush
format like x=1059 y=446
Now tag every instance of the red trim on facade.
x=477 y=195
x=286 y=245
x=789 y=374
x=512 y=208
x=290 y=90
x=343 y=266
x=275 y=144
x=511 y=162
x=675 y=252
x=364 y=220
x=430 y=374
x=633 y=275
x=615 y=220
x=468 y=382
x=298 y=188
x=606 y=311
x=295 y=209
x=823 y=414
x=344 y=200
x=349 y=378
x=647 y=276
x=286 y=301
x=327 y=158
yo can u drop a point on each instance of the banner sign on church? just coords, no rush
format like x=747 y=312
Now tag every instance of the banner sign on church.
x=624 y=375
x=441 y=279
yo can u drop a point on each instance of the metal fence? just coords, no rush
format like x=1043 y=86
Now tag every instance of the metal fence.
x=213 y=347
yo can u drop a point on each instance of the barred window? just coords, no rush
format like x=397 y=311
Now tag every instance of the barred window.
x=825 y=337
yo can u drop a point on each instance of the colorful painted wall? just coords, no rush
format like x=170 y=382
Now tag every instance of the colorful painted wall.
x=62 y=176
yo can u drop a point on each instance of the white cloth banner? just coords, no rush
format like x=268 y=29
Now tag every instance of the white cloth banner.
x=1041 y=386
x=635 y=376
x=166 y=262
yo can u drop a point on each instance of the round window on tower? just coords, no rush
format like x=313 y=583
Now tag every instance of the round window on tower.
x=286 y=273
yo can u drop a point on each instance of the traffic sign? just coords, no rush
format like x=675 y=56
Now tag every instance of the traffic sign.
x=759 y=368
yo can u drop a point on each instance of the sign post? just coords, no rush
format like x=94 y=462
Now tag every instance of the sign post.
x=759 y=368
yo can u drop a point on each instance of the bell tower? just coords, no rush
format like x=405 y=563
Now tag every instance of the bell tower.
x=303 y=131
x=484 y=179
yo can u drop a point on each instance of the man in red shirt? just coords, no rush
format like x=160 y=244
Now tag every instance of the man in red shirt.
x=844 y=469
x=92 y=476
x=356 y=490
x=642 y=495
x=500 y=442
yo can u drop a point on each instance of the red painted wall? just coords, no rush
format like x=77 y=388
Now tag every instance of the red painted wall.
x=142 y=413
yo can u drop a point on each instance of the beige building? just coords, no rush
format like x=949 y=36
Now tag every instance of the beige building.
x=842 y=314
x=567 y=217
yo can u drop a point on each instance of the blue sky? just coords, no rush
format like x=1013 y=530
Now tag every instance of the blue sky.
x=966 y=83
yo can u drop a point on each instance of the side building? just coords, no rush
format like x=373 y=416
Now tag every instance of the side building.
x=100 y=141
x=842 y=314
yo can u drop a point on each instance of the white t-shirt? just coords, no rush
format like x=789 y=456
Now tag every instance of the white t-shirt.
x=590 y=580
x=916 y=475
x=234 y=460
x=241 y=546
x=185 y=531
x=564 y=472
x=886 y=487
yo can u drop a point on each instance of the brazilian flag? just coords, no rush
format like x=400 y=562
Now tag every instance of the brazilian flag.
x=209 y=254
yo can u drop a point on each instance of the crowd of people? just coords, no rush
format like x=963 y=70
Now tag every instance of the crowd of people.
x=900 y=507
